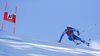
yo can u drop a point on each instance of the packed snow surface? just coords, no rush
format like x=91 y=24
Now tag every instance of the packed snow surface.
x=16 y=45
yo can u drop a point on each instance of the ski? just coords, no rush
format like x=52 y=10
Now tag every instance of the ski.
x=78 y=43
x=89 y=42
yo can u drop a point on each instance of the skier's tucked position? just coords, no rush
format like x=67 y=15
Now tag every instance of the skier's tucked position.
x=70 y=32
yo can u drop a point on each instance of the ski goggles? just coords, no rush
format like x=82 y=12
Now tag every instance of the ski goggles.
x=68 y=27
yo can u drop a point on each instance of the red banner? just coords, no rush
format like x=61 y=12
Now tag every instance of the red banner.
x=10 y=18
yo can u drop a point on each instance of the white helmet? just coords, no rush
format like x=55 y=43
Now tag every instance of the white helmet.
x=68 y=25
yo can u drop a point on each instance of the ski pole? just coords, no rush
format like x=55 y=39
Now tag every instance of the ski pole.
x=88 y=28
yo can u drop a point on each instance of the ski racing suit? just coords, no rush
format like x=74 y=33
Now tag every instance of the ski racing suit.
x=71 y=36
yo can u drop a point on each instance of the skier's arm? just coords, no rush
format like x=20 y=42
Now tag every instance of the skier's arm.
x=76 y=31
x=62 y=36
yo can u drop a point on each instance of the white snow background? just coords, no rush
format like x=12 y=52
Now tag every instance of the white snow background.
x=16 y=45
x=95 y=44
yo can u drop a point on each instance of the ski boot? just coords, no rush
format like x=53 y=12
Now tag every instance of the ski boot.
x=76 y=42
x=87 y=44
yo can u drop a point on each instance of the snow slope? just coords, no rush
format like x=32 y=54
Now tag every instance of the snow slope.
x=15 y=45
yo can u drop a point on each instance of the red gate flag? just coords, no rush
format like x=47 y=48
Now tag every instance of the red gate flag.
x=10 y=18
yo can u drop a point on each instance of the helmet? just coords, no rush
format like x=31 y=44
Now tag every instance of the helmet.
x=68 y=25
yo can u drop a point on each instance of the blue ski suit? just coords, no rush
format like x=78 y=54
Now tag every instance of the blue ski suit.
x=71 y=36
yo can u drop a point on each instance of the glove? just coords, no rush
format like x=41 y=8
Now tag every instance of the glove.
x=78 y=34
x=59 y=41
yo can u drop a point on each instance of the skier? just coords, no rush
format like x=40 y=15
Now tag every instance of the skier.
x=70 y=33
